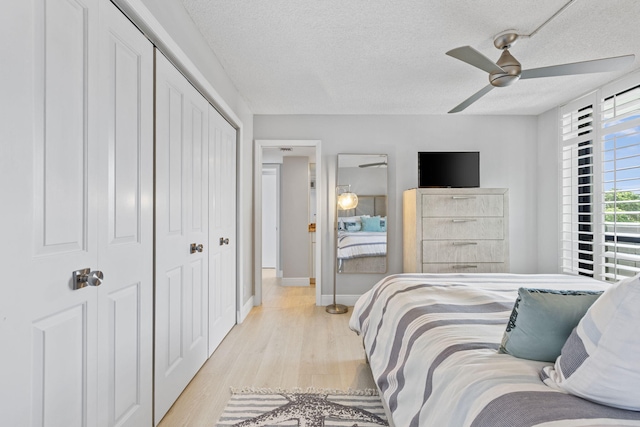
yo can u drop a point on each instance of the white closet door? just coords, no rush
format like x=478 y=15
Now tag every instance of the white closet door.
x=181 y=325
x=125 y=228
x=222 y=228
x=48 y=152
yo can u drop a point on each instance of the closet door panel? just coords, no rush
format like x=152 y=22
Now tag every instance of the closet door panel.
x=125 y=222
x=181 y=221
x=222 y=220
x=48 y=227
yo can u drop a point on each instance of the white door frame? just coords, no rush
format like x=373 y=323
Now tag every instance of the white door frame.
x=257 y=210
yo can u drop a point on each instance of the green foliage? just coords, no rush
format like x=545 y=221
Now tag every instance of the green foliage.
x=631 y=203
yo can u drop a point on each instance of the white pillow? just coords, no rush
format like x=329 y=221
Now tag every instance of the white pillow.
x=601 y=359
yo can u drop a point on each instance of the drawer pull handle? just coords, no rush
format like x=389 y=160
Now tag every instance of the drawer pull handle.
x=464 y=243
x=464 y=266
x=462 y=197
x=463 y=220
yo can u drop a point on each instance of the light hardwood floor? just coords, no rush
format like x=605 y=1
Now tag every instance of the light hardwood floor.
x=287 y=342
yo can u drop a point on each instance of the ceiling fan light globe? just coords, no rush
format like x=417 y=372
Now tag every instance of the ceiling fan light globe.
x=503 y=79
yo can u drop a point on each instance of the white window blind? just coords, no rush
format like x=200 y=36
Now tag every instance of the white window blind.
x=600 y=185
x=620 y=183
x=577 y=132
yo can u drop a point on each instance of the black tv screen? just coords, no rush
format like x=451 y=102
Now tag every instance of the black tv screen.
x=459 y=169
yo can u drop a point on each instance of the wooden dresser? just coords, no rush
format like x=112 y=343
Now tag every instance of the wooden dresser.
x=456 y=230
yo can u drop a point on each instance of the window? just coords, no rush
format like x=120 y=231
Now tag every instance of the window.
x=600 y=136
x=620 y=127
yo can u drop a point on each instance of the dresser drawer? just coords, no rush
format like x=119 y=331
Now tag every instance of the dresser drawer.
x=463 y=251
x=462 y=228
x=436 y=205
x=488 y=267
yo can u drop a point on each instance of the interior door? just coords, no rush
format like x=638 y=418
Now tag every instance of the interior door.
x=48 y=330
x=269 y=217
x=181 y=222
x=222 y=228
x=125 y=222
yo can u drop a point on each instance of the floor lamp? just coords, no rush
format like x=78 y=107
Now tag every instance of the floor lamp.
x=344 y=200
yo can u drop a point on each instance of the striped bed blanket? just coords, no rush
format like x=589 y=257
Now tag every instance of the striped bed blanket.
x=358 y=244
x=432 y=340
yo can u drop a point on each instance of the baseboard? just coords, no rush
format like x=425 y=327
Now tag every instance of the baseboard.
x=246 y=309
x=295 y=281
x=279 y=273
x=340 y=299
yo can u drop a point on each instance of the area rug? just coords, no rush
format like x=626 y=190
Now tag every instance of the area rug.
x=251 y=407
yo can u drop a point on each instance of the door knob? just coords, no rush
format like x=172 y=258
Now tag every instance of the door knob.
x=85 y=277
x=224 y=241
x=95 y=278
x=196 y=248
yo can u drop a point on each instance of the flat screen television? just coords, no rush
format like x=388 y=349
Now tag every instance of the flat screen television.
x=449 y=169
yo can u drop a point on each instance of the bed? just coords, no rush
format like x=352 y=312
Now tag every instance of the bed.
x=356 y=248
x=431 y=341
x=359 y=250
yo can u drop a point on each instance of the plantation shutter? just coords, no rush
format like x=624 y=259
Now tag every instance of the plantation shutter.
x=578 y=237
x=620 y=130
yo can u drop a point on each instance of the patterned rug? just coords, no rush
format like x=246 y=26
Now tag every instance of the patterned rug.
x=309 y=408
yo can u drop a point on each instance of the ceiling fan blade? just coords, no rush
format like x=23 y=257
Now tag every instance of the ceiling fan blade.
x=473 y=98
x=473 y=57
x=585 y=67
x=369 y=165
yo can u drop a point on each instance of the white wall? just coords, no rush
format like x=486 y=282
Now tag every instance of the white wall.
x=365 y=181
x=548 y=193
x=508 y=153
x=174 y=20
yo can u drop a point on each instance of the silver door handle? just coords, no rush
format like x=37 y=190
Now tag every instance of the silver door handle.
x=463 y=220
x=464 y=243
x=85 y=277
x=464 y=266
x=224 y=241
x=196 y=248
x=462 y=197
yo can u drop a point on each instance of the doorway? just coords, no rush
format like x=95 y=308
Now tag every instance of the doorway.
x=261 y=148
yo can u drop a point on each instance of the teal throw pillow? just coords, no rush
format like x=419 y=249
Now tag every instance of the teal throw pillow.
x=542 y=320
x=371 y=223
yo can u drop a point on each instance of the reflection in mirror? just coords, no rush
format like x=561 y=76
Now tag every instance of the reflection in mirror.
x=361 y=204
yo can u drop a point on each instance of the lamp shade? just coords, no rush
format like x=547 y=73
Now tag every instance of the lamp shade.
x=347 y=200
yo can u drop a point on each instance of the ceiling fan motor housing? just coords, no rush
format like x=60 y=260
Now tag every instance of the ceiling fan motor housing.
x=511 y=67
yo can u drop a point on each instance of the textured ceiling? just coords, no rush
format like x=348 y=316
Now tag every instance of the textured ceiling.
x=388 y=57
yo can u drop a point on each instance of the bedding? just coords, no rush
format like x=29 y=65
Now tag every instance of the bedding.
x=361 y=244
x=432 y=341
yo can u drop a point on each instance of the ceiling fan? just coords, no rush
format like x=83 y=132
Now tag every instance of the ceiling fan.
x=507 y=70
